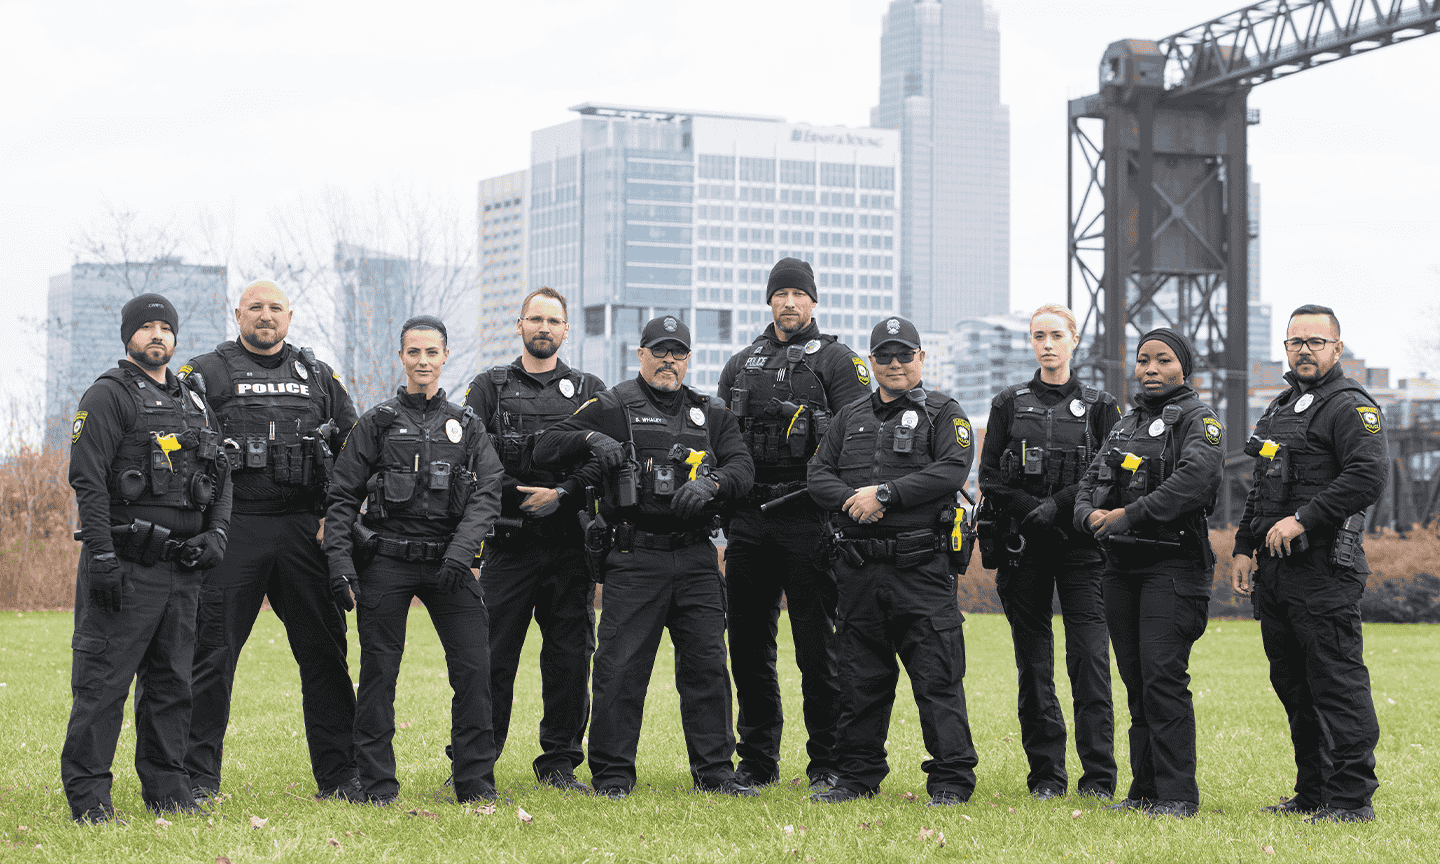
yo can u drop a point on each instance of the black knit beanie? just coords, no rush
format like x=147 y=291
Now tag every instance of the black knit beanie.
x=791 y=273
x=144 y=309
x=1178 y=343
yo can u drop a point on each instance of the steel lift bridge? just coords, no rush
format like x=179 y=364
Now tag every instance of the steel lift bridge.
x=1159 y=214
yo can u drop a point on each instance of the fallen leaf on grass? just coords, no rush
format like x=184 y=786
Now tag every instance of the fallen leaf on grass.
x=1011 y=809
x=925 y=833
x=1076 y=814
x=993 y=804
x=966 y=818
x=222 y=860
x=523 y=816
x=22 y=828
x=333 y=842
x=425 y=813
x=257 y=822
x=163 y=823
x=910 y=796
x=1008 y=738
x=487 y=810
x=941 y=837
x=404 y=724
x=1268 y=850
x=788 y=829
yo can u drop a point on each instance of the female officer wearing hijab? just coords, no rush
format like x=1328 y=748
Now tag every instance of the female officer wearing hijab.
x=1145 y=498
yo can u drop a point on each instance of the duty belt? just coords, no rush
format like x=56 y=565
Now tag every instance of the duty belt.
x=762 y=492
x=906 y=548
x=508 y=529
x=627 y=538
x=411 y=550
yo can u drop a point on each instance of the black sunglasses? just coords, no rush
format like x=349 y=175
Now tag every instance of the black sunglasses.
x=676 y=353
x=883 y=358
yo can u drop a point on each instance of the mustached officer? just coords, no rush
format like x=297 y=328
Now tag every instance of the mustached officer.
x=672 y=456
x=153 y=494
x=890 y=465
x=430 y=481
x=1145 y=496
x=283 y=413
x=784 y=388
x=534 y=563
x=1320 y=461
x=1039 y=440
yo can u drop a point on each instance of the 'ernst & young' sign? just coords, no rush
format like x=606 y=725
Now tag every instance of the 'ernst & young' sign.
x=845 y=139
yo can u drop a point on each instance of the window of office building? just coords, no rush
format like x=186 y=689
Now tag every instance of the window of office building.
x=717 y=167
x=837 y=174
x=754 y=170
x=877 y=177
x=712 y=325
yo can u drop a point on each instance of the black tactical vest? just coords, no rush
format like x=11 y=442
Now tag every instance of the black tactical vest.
x=776 y=435
x=1298 y=472
x=654 y=434
x=425 y=466
x=270 y=418
x=1139 y=455
x=169 y=458
x=522 y=413
x=876 y=451
x=1050 y=446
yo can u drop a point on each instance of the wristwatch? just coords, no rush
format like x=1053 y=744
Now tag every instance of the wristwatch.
x=883 y=494
x=560 y=492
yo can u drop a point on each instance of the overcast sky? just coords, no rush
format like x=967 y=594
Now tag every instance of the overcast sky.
x=241 y=108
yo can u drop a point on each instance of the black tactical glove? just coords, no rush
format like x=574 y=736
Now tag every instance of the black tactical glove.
x=1043 y=516
x=452 y=575
x=204 y=550
x=341 y=587
x=691 y=498
x=104 y=573
x=606 y=450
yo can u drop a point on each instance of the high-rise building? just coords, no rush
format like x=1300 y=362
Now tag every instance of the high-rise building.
x=984 y=356
x=504 y=261
x=940 y=85
x=637 y=212
x=82 y=332
x=1261 y=344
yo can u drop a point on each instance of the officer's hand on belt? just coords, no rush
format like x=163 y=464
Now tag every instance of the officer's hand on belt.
x=340 y=589
x=1277 y=540
x=1115 y=522
x=863 y=506
x=452 y=575
x=204 y=550
x=1095 y=520
x=605 y=449
x=1240 y=567
x=104 y=573
x=1043 y=516
x=692 y=497
x=539 y=500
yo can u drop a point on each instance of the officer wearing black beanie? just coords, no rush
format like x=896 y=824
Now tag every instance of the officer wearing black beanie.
x=146 y=308
x=784 y=388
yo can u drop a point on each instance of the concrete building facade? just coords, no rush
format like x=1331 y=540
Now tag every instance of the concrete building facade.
x=504 y=262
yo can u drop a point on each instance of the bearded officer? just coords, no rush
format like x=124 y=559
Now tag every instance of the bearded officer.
x=283 y=414
x=153 y=495
x=534 y=564
x=784 y=388
x=889 y=467
x=672 y=456
x=1320 y=461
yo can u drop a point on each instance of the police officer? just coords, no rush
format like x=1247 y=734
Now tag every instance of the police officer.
x=1320 y=460
x=431 y=483
x=1039 y=440
x=672 y=455
x=889 y=468
x=282 y=414
x=1145 y=496
x=153 y=495
x=784 y=388
x=534 y=564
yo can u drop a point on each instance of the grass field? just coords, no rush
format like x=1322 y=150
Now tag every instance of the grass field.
x=1244 y=764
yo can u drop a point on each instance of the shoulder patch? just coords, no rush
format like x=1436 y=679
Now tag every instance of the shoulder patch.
x=185 y=370
x=336 y=376
x=1369 y=418
x=962 y=432
x=78 y=426
x=1214 y=430
x=862 y=374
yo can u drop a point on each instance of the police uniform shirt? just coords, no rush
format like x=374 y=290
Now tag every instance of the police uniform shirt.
x=1103 y=415
x=606 y=414
x=106 y=414
x=482 y=398
x=1348 y=425
x=224 y=384
x=939 y=474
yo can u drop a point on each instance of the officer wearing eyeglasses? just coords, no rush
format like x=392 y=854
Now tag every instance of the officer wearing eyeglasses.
x=533 y=560
x=889 y=468
x=1320 y=461
x=670 y=456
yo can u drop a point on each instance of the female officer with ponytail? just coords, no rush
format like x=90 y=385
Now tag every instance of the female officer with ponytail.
x=1145 y=498
x=431 y=482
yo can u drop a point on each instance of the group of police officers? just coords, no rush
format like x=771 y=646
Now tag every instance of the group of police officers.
x=248 y=476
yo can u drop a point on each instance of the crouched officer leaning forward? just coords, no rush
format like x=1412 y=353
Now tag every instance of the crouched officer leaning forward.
x=431 y=482
x=153 y=496
x=670 y=456
x=890 y=467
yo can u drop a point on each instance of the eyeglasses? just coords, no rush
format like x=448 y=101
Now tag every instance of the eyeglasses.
x=673 y=353
x=536 y=321
x=1314 y=343
x=883 y=358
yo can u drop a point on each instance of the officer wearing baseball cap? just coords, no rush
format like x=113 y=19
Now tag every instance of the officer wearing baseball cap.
x=889 y=469
x=153 y=495
x=666 y=456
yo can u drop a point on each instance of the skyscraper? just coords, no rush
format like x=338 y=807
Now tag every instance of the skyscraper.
x=940 y=85
x=504 y=261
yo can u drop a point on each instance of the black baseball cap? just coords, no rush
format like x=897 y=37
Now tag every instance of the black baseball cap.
x=894 y=330
x=666 y=328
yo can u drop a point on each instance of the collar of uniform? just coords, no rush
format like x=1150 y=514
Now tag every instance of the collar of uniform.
x=1153 y=405
x=665 y=400
x=417 y=401
x=266 y=361
x=171 y=386
x=560 y=370
x=1301 y=386
x=915 y=399
x=1061 y=391
x=806 y=333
